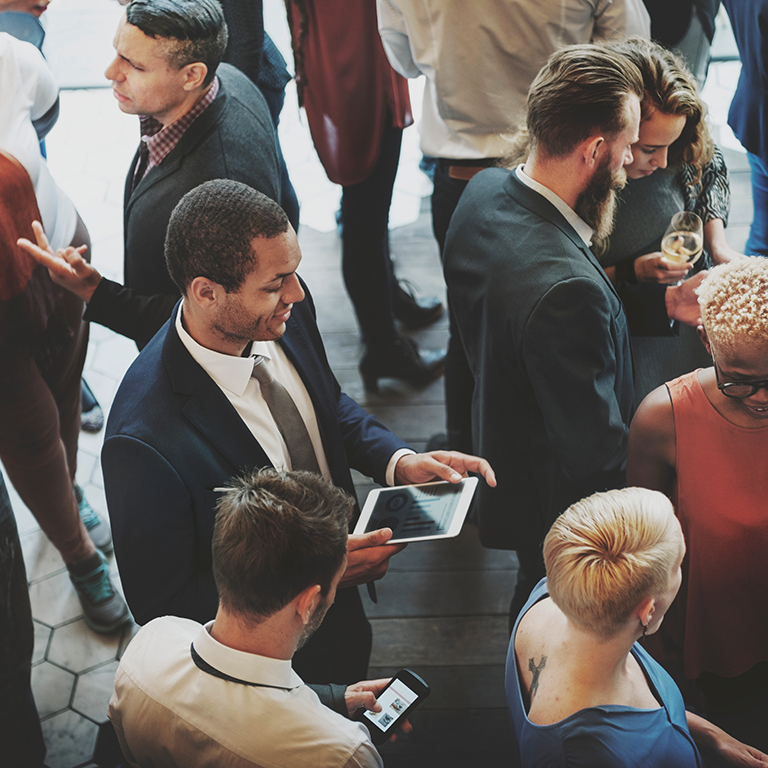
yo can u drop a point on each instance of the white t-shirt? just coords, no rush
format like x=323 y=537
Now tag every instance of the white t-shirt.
x=27 y=91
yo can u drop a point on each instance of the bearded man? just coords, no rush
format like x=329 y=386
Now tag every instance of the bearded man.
x=545 y=332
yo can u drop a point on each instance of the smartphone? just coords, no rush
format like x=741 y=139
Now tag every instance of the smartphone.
x=404 y=692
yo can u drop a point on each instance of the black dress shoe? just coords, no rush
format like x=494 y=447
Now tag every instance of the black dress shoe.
x=401 y=360
x=415 y=312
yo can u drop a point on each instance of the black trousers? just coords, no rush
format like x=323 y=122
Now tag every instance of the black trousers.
x=366 y=265
x=21 y=740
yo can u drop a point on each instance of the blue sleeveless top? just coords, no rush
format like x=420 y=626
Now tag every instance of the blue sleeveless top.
x=610 y=736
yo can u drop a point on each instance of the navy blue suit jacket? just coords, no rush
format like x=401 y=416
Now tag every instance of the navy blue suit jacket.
x=172 y=437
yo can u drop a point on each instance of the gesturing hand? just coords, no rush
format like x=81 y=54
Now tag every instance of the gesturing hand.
x=67 y=267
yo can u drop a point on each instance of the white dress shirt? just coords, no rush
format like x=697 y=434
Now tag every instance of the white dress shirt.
x=233 y=377
x=583 y=230
x=481 y=56
x=169 y=713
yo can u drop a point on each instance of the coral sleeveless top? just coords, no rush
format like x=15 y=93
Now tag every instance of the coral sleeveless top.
x=722 y=503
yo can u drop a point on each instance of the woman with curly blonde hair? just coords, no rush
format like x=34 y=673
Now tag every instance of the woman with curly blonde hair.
x=702 y=439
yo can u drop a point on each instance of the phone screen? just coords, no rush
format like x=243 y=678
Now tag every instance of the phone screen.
x=394 y=701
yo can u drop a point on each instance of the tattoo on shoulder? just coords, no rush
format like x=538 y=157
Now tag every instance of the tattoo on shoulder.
x=536 y=669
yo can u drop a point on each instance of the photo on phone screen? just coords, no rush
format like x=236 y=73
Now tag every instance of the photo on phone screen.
x=403 y=693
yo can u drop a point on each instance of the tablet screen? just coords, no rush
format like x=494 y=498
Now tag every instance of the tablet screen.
x=420 y=511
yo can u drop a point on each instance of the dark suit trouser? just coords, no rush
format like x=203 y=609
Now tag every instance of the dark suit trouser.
x=459 y=384
x=340 y=649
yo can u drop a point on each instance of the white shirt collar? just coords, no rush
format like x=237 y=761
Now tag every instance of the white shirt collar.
x=248 y=667
x=229 y=372
x=583 y=230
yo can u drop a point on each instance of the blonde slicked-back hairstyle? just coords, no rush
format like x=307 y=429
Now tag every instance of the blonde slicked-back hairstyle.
x=733 y=299
x=605 y=554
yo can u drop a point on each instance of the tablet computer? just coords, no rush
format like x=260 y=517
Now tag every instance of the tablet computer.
x=418 y=512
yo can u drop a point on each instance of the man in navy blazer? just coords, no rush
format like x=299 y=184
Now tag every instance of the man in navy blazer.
x=545 y=331
x=188 y=416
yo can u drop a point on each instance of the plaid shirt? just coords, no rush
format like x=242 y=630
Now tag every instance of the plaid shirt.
x=157 y=142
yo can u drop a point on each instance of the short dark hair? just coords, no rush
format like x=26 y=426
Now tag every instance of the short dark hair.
x=580 y=92
x=211 y=230
x=195 y=29
x=277 y=533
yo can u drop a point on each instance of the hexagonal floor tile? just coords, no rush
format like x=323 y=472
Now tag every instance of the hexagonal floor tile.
x=93 y=691
x=52 y=687
x=77 y=648
x=41 y=558
x=54 y=600
x=70 y=739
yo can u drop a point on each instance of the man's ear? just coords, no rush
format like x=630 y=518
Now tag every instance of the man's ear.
x=204 y=292
x=593 y=150
x=704 y=339
x=194 y=75
x=307 y=601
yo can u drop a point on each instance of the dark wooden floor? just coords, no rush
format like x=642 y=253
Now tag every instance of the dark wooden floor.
x=442 y=607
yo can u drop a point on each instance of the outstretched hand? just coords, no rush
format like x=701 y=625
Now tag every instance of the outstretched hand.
x=720 y=748
x=67 y=267
x=441 y=465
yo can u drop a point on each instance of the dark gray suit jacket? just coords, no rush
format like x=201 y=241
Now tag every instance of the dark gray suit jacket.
x=547 y=340
x=233 y=139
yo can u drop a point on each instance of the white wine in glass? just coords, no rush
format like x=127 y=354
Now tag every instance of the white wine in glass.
x=683 y=241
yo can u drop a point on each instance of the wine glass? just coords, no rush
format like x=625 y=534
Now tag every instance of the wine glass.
x=683 y=241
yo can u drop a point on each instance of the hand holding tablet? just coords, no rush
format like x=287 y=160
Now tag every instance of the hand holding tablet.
x=418 y=512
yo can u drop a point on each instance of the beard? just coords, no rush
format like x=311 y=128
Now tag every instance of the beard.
x=596 y=205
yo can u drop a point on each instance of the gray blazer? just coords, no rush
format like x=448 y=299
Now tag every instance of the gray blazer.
x=547 y=340
x=234 y=138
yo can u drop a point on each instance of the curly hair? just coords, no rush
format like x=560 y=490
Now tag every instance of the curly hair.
x=605 y=554
x=211 y=231
x=732 y=299
x=670 y=88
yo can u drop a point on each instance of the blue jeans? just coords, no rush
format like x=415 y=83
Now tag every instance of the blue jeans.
x=21 y=740
x=757 y=244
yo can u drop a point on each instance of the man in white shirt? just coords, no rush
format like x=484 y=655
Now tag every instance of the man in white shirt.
x=225 y=694
x=479 y=58
x=545 y=331
x=195 y=409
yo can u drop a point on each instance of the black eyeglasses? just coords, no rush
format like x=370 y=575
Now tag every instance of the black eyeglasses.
x=739 y=389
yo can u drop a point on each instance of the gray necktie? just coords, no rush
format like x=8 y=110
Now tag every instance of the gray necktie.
x=287 y=418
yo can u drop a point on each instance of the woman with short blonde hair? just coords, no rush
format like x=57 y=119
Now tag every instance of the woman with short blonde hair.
x=580 y=689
